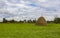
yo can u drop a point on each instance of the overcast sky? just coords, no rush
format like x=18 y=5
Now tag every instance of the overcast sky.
x=29 y=9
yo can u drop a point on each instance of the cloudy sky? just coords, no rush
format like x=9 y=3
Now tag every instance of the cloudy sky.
x=29 y=9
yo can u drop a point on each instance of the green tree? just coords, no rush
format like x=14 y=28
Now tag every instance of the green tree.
x=4 y=20
x=57 y=20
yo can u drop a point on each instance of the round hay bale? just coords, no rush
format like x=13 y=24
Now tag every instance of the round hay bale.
x=41 y=21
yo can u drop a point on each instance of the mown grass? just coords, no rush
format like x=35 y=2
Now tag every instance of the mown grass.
x=26 y=30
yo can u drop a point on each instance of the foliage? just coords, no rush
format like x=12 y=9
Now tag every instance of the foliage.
x=13 y=21
x=4 y=20
x=57 y=20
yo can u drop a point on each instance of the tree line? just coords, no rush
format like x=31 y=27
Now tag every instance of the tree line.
x=56 y=20
x=13 y=21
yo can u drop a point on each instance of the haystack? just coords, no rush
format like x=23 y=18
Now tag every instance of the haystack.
x=41 y=21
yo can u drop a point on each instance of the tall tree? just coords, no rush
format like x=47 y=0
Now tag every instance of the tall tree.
x=4 y=20
x=57 y=20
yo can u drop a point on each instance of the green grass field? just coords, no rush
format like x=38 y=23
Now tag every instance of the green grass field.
x=26 y=30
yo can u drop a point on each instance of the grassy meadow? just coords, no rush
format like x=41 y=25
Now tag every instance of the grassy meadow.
x=29 y=30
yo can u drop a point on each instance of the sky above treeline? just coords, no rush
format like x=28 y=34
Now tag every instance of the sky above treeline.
x=29 y=9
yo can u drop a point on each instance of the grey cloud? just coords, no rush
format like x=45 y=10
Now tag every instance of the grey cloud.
x=19 y=9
